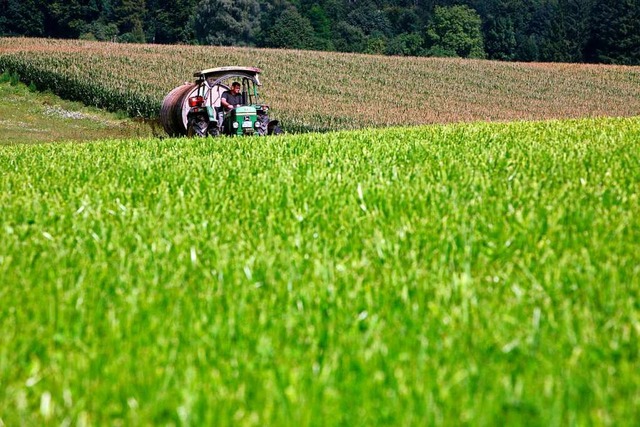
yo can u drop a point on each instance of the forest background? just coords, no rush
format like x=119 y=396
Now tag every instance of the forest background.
x=597 y=31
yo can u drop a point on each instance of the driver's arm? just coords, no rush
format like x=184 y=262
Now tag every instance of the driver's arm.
x=225 y=103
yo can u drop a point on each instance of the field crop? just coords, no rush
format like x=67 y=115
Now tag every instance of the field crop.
x=330 y=91
x=481 y=274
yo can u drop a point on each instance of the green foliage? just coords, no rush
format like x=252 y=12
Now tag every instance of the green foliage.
x=371 y=20
x=456 y=29
x=349 y=38
x=528 y=50
x=129 y=16
x=136 y=35
x=321 y=24
x=406 y=45
x=291 y=30
x=170 y=21
x=87 y=36
x=11 y=77
x=441 y=52
x=100 y=31
x=500 y=39
x=403 y=19
x=376 y=45
x=22 y=17
x=616 y=33
x=223 y=22
x=554 y=47
x=462 y=275
x=71 y=16
x=577 y=16
x=121 y=114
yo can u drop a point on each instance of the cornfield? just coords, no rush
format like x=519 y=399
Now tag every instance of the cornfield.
x=316 y=91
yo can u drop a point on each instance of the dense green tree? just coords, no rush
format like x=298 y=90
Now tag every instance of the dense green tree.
x=616 y=32
x=321 y=26
x=335 y=10
x=168 y=20
x=23 y=17
x=227 y=22
x=527 y=48
x=349 y=38
x=370 y=19
x=507 y=27
x=101 y=23
x=553 y=45
x=500 y=38
x=577 y=16
x=408 y=44
x=456 y=30
x=69 y=18
x=99 y=30
x=129 y=16
x=403 y=20
x=375 y=45
x=291 y=30
x=3 y=18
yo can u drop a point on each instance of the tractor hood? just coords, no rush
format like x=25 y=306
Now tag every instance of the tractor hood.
x=244 y=110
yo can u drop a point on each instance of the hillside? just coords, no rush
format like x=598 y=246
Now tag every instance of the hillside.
x=328 y=91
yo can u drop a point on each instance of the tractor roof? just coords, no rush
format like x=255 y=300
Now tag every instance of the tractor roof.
x=221 y=71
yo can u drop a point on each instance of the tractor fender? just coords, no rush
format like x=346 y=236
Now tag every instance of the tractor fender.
x=272 y=124
x=207 y=111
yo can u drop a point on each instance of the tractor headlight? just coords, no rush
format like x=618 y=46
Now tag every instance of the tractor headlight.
x=235 y=125
x=257 y=124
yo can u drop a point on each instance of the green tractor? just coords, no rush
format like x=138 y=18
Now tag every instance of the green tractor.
x=196 y=109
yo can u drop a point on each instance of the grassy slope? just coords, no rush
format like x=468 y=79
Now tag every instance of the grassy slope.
x=472 y=273
x=28 y=117
x=320 y=91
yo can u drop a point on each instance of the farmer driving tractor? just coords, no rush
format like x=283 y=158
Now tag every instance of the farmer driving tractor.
x=222 y=101
x=232 y=98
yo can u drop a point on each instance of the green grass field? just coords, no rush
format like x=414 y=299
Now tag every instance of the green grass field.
x=481 y=274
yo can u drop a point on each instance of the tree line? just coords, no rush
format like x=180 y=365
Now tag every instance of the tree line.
x=598 y=31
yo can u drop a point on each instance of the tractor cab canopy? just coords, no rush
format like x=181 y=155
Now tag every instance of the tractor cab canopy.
x=215 y=75
x=213 y=82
